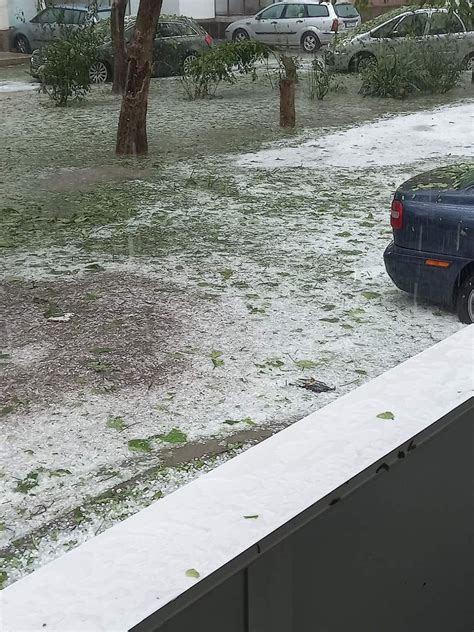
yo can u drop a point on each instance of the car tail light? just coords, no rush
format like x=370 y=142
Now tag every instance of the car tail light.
x=208 y=39
x=396 y=215
x=335 y=26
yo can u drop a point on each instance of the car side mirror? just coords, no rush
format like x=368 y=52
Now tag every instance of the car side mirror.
x=258 y=17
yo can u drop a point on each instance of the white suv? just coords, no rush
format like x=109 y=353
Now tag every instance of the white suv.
x=306 y=24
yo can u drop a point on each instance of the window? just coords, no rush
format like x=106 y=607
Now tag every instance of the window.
x=413 y=25
x=294 y=11
x=272 y=13
x=169 y=29
x=385 y=29
x=442 y=22
x=45 y=17
x=345 y=10
x=186 y=29
x=317 y=11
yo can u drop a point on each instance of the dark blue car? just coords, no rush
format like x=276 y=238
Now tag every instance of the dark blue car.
x=432 y=253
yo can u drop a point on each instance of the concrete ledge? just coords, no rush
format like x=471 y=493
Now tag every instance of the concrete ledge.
x=117 y=579
x=13 y=59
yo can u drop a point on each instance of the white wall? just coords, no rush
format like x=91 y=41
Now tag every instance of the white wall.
x=21 y=10
x=199 y=9
x=4 y=21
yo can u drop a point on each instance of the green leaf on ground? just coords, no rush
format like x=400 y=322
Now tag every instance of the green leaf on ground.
x=173 y=436
x=329 y=307
x=252 y=517
x=90 y=296
x=226 y=274
x=139 y=445
x=386 y=415
x=93 y=267
x=59 y=472
x=4 y=356
x=330 y=320
x=53 y=311
x=28 y=483
x=3 y=578
x=216 y=358
x=117 y=423
x=100 y=350
x=246 y=420
x=371 y=295
x=2 y=526
x=192 y=572
x=305 y=364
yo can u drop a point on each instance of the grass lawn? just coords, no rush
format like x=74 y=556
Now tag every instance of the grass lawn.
x=194 y=289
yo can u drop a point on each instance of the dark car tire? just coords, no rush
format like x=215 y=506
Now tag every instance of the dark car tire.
x=359 y=62
x=465 y=300
x=22 y=45
x=468 y=62
x=310 y=42
x=187 y=61
x=239 y=35
x=100 y=73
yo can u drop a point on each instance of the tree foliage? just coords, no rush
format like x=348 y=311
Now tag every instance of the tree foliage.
x=66 y=62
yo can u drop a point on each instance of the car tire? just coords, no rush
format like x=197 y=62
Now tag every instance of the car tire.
x=310 y=42
x=99 y=73
x=22 y=45
x=468 y=62
x=239 y=35
x=188 y=60
x=465 y=300
x=359 y=62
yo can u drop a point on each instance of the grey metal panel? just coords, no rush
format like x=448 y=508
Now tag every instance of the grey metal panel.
x=389 y=551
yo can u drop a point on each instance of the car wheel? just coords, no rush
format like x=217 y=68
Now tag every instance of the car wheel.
x=465 y=300
x=310 y=42
x=188 y=61
x=99 y=73
x=240 y=35
x=22 y=45
x=360 y=62
x=468 y=63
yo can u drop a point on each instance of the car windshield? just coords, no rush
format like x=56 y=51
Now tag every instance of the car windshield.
x=346 y=10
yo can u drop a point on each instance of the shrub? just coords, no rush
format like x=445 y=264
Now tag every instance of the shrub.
x=412 y=67
x=66 y=61
x=222 y=63
x=318 y=80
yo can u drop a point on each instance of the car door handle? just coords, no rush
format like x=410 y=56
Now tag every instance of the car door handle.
x=273 y=22
x=299 y=21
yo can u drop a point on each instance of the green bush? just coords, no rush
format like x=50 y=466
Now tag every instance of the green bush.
x=66 y=61
x=222 y=63
x=412 y=67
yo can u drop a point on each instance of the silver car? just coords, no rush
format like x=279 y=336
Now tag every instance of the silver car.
x=436 y=25
x=306 y=24
x=47 y=24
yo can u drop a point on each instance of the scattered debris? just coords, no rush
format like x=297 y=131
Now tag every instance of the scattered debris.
x=310 y=384
x=61 y=319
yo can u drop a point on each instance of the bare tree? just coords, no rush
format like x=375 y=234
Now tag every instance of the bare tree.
x=117 y=32
x=131 y=133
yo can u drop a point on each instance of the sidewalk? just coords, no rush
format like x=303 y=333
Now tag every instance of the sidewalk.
x=12 y=59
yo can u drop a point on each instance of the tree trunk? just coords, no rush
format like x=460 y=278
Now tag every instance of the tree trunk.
x=117 y=17
x=131 y=133
x=287 y=103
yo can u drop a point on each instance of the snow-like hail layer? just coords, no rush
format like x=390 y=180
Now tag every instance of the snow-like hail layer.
x=390 y=141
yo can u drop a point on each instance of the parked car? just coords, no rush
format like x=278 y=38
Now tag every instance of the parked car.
x=434 y=25
x=49 y=23
x=178 y=42
x=432 y=253
x=309 y=24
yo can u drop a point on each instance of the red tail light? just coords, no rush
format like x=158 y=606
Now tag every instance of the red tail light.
x=208 y=39
x=396 y=215
x=335 y=26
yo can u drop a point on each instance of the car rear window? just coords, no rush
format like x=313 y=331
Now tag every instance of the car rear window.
x=442 y=22
x=346 y=10
x=317 y=11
